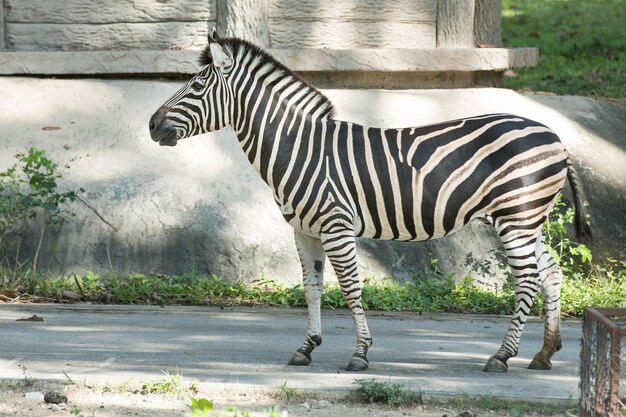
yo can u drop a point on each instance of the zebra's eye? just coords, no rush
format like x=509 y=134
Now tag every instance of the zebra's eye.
x=198 y=84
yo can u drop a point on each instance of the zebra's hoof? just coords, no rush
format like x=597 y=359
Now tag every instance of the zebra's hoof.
x=540 y=364
x=495 y=365
x=300 y=359
x=357 y=363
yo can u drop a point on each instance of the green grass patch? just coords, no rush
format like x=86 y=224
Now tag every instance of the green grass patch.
x=288 y=394
x=427 y=292
x=385 y=392
x=171 y=385
x=582 y=47
x=515 y=408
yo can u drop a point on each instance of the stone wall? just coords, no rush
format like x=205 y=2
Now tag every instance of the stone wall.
x=74 y=25
x=87 y=25
x=406 y=24
x=200 y=205
x=424 y=43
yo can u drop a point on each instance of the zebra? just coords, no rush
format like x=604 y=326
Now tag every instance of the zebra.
x=335 y=181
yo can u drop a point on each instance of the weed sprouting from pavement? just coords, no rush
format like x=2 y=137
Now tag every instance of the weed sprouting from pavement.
x=171 y=385
x=386 y=392
x=28 y=379
x=286 y=393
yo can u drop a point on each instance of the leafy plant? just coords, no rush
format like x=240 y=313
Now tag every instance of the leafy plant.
x=586 y=281
x=386 y=392
x=28 y=189
x=199 y=407
x=570 y=255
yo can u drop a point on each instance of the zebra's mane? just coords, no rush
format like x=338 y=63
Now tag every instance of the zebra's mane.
x=239 y=47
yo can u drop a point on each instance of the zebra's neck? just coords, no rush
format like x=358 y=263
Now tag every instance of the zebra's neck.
x=272 y=106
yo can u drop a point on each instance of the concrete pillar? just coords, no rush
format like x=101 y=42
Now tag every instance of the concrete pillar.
x=245 y=19
x=487 y=18
x=455 y=24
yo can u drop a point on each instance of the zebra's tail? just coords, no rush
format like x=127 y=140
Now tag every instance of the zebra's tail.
x=583 y=231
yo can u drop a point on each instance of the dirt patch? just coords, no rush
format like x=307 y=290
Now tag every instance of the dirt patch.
x=127 y=400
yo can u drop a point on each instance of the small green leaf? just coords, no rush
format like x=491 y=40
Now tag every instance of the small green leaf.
x=200 y=404
x=585 y=253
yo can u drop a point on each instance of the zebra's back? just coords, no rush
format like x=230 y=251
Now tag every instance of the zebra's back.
x=427 y=182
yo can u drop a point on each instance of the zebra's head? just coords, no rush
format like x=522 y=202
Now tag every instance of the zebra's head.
x=203 y=104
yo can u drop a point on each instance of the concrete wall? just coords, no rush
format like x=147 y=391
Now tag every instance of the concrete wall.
x=385 y=44
x=75 y=25
x=83 y=25
x=200 y=205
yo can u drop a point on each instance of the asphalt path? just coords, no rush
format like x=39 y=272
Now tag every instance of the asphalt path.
x=440 y=354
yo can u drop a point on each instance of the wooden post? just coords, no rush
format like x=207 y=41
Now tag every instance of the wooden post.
x=455 y=24
x=245 y=19
x=487 y=18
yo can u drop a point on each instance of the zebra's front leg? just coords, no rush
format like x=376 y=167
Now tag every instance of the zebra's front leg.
x=340 y=246
x=312 y=258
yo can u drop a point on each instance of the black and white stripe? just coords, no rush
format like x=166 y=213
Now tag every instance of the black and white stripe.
x=335 y=181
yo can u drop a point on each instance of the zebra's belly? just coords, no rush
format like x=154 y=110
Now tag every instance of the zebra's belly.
x=382 y=230
x=402 y=235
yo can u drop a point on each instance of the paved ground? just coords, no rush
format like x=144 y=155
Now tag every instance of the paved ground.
x=439 y=354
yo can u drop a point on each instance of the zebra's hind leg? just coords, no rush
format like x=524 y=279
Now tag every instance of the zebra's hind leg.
x=312 y=258
x=340 y=246
x=550 y=277
x=520 y=250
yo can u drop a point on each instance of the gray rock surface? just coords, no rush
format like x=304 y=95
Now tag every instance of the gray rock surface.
x=201 y=206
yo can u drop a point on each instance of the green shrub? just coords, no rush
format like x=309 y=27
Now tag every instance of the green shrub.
x=573 y=257
x=28 y=189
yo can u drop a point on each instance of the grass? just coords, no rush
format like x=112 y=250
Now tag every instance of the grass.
x=582 y=47
x=171 y=385
x=385 y=392
x=429 y=291
x=463 y=401
x=398 y=395
x=288 y=394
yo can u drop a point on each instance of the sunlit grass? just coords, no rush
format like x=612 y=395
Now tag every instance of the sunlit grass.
x=582 y=47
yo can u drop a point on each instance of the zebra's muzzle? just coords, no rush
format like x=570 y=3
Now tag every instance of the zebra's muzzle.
x=161 y=131
x=170 y=140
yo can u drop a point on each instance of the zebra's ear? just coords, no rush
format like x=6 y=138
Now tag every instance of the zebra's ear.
x=213 y=36
x=221 y=58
